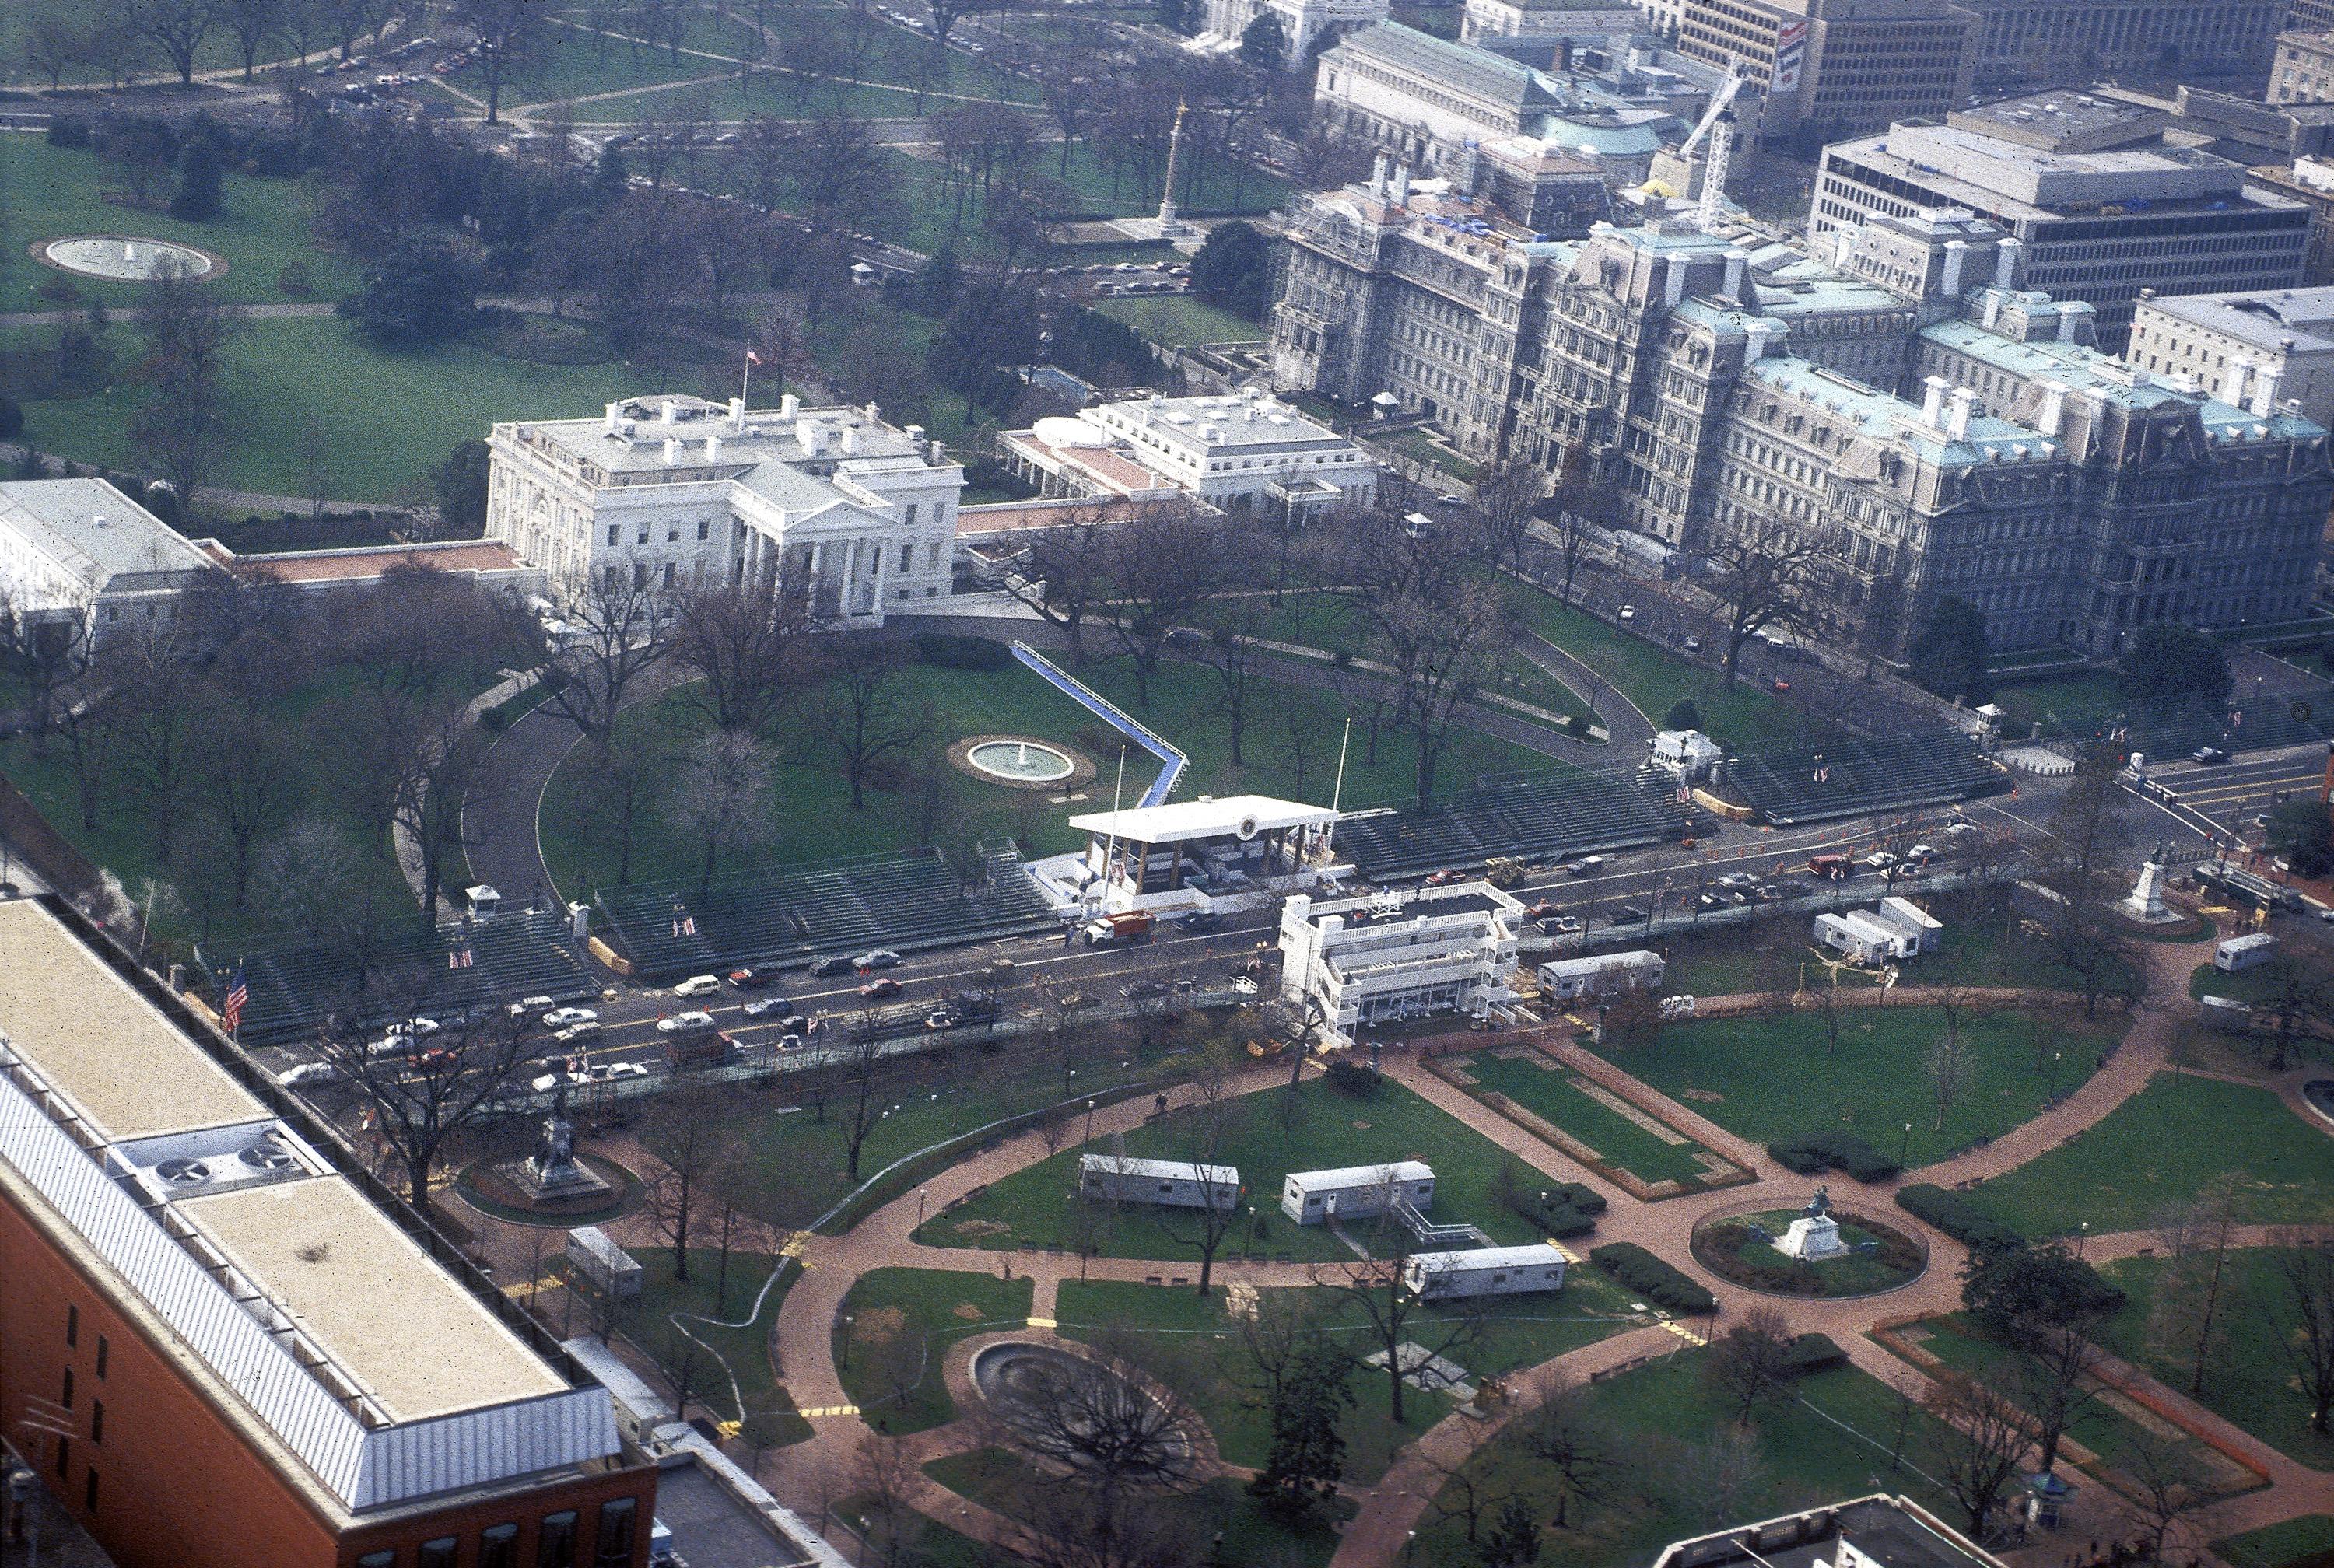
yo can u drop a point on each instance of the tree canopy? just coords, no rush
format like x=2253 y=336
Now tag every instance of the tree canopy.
x=1948 y=654
x=418 y=293
x=1233 y=267
x=2300 y=833
x=2171 y=663
x=1264 y=42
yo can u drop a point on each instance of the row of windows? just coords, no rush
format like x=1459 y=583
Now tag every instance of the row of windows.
x=557 y=1543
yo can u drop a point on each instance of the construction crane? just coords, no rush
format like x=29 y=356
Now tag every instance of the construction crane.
x=1719 y=102
x=1673 y=166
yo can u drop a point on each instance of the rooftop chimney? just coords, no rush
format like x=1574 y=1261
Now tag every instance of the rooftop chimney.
x=788 y=406
x=1993 y=305
x=671 y=449
x=2066 y=325
x=2265 y=392
x=1956 y=258
x=1398 y=189
x=1674 y=280
x=914 y=432
x=850 y=440
x=1933 y=401
x=2241 y=370
x=1957 y=422
x=2054 y=409
x=2005 y=263
x=1378 y=175
x=713 y=448
x=669 y=412
x=615 y=418
x=737 y=413
x=1735 y=262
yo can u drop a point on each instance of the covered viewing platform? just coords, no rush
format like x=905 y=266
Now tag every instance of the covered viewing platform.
x=1194 y=855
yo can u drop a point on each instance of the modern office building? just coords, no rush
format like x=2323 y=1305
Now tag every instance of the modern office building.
x=2229 y=345
x=1904 y=395
x=1546 y=146
x=1303 y=22
x=2310 y=182
x=222 y=1344
x=1380 y=957
x=1234 y=451
x=2043 y=42
x=80 y=556
x=2098 y=224
x=679 y=492
x=2303 y=71
x=1838 y=67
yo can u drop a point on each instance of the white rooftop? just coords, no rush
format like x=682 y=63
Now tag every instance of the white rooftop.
x=94 y=530
x=1534 y=1255
x=1159 y=1169
x=1230 y=421
x=2277 y=321
x=1179 y=821
x=1364 y=1175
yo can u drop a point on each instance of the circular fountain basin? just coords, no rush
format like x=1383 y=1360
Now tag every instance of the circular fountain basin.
x=1018 y=1378
x=1023 y=761
x=125 y=258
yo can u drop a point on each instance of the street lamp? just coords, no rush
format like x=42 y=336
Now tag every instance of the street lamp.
x=2081 y=1235
x=1905 y=1145
x=2053 y=1094
x=921 y=1194
x=846 y=1342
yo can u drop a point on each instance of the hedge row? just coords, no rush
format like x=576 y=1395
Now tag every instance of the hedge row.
x=1652 y=1278
x=1834 y=1151
x=1554 y=1218
x=1957 y=1218
x=1815 y=1353
x=950 y=652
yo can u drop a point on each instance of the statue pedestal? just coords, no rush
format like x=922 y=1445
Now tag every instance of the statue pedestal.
x=2145 y=903
x=1810 y=1237
x=564 y=1182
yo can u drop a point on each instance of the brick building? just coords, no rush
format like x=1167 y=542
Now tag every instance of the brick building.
x=221 y=1348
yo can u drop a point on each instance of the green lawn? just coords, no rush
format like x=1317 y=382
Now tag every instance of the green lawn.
x=1655 y=1423
x=739 y=1353
x=1331 y=1130
x=388 y=420
x=1648 y=676
x=2263 y=984
x=1774 y=1078
x=1178 y=321
x=1191 y=1343
x=50 y=192
x=1981 y=947
x=1539 y=1086
x=810 y=814
x=2248 y=1380
x=2167 y=1142
x=2110 y=1426
x=903 y=1322
x=2307 y=1541
x=2066 y=701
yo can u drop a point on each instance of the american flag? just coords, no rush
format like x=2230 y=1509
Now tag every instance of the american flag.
x=238 y=995
x=460 y=958
x=752 y=357
x=685 y=926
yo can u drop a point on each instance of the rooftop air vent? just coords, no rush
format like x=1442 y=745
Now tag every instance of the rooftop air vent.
x=268 y=1154
x=183 y=1172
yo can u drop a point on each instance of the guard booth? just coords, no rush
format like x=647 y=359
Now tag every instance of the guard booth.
x=1167 y=1183
x=616 y=1272
x=1188 y=852
x=1357 y=1191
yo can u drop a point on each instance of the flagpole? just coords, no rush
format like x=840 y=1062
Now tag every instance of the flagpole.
x=745 y=376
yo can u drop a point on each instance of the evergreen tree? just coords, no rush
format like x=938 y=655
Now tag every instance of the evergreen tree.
x=1307 y=1450
x=1514 y=1538
x=1948 y=654
x=1683 y=715
x=2171 y=663
x=201 y=178
x=938 y=283
x=1264 y=42
x=461 y=484
x=1233 y=269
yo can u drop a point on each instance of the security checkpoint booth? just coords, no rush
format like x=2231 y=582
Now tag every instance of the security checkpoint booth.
x=1164 y=1183
x=1357 y=1191
x=1483 y=1271
x=1191 y=855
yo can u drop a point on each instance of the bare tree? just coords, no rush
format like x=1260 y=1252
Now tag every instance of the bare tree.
x=1763 y=570
x=2157 y=1492
x=423 y=1091
x=750 y=643
x=723 y=796
x=855 y=1054
x=156 y=698
x=1201 y=1128
x=619 y=627
x=1064 y=571
x=180 y=430
x=175 y=27
x=2189 y=1312
x=511 y=44
x=2307 y=1274
x=1398 y=1323
x=1501 y=509
x=1716 y=1474
x=947 y=13
x=1951 y=1059
x=246 y=772
x=2053 y=1377
x=1751 y=1361
x=435 y=761
x=1586 y=1456
x=867 y=715
x=1979 y=1444
x=684 y=1131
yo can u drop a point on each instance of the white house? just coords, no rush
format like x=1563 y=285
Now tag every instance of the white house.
x=679 y=492
x=1486 y=1271
x=79 y=555
x=1379 y=958
x=1357 y=1191
x=1166 y=1183
x=1601 y=974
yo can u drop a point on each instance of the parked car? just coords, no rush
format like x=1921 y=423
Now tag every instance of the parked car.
x=604 y=1072
x=1201 y=921
x=679 y=1022
x=699 y=986
x=2208 y=754
x=939 y=1018
x=750 y=980
x=828 y=967
x=763 y=1006
x=1957 y=830
x=1143 y=990
x=1733 y=880
x=1628 y=612
x=876 y=959
x=1562 y=925
x=1244 y=985
x=1882 y=860
x=415 y=1027
x=1626 y=915
x=793 y=1024
x=1586 y=864
x=567 y=1017
x=1540 y=910
x=307 y=1074
x=582 y=1029
x=437 y=1059
x=527 y=1004
x=886 y=987
x=1921 y=855
x=790 y=1042
x=1693 y=644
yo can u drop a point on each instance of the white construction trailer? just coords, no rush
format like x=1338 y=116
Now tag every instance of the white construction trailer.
x=2246 y=952
x=1857 y=938
x=1490 y=1271
x=1600 y=975
x=613 y=1271
x=1924 y=931
x=1357 y=1191
x=1166 y=1183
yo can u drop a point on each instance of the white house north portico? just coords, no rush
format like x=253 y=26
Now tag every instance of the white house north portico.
x=679 y=493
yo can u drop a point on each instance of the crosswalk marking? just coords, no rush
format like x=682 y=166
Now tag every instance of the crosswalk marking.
x=1684 y=1333
x=794 y=1245
x=1564 y=1252
x=1043 y=1323
x=815 y=1411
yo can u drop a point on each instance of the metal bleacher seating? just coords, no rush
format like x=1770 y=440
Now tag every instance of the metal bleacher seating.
x=296 y=979
x=910 y=899
x=1852 y=775
x=1561 y=811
